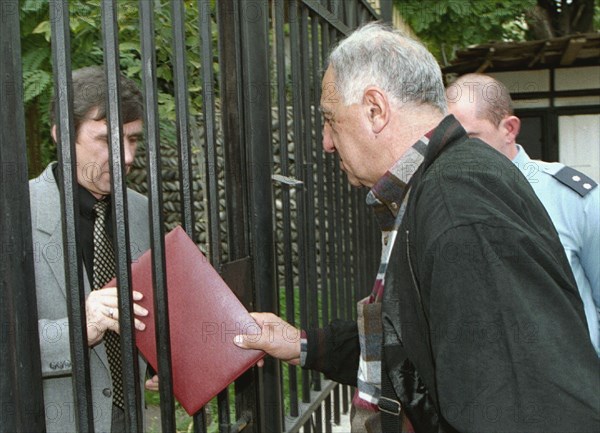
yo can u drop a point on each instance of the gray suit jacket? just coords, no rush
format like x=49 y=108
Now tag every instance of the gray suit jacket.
x=52 y=308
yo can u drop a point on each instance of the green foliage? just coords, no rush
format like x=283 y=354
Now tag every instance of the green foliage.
x=446 y=25
x=86 y=49
x=35 y=82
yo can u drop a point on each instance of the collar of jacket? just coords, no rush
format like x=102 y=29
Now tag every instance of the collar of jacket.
x=386 y=196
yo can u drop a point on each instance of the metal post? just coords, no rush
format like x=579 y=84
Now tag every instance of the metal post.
x=21 y=400
x=129 y=354
x=284 y=156
x=61 y=50
x=387 y=10
x=233 y=123
x=155 y=204
x=254 y=16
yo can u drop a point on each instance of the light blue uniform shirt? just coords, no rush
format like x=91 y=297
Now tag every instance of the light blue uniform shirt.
x=577 y=221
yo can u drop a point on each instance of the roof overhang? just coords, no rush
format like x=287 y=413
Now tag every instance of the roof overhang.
x=568 y=51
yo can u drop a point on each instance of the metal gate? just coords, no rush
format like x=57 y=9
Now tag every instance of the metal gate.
x=252 y=187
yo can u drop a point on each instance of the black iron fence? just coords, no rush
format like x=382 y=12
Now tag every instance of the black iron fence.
x=251 y=185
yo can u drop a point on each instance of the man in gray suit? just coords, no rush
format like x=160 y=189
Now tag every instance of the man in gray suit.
x=94 y=186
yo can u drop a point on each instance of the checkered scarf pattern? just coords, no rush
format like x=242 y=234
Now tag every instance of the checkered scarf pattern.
x=384 y=198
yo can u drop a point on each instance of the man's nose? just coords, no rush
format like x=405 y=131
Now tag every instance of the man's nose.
x=327 y=141
x=130 y=148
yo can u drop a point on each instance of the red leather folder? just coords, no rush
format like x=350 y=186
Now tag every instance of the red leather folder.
x=204 y=317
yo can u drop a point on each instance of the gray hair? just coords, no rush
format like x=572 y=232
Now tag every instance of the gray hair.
x=378 y=55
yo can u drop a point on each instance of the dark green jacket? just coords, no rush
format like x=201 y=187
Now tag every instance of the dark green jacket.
x=481 y=299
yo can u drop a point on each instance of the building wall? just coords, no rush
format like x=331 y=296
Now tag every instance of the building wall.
x=560 y=108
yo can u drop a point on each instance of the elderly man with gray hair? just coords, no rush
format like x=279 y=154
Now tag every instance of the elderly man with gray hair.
x=474 y=318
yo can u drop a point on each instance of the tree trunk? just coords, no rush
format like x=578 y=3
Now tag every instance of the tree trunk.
x=555 y=18
x=581 y=16
x=539 y=20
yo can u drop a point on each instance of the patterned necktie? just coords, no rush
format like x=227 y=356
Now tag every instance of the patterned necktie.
x=104 y=271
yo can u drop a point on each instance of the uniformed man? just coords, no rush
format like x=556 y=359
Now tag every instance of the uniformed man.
x=484 y=107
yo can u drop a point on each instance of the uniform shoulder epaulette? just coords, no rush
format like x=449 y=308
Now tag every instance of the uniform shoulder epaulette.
x=576 y=180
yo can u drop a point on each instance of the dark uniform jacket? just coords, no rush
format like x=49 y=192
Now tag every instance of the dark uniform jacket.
x=484 y=329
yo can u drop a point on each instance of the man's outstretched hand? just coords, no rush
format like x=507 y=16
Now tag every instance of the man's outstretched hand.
x=278 y=338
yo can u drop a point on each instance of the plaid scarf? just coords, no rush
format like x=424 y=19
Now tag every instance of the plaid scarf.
x=384 y=198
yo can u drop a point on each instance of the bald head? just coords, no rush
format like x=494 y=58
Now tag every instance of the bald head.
x=484 y=107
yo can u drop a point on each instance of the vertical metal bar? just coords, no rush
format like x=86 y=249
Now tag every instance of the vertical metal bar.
x=333 y=183
x=339 y=191
x=348 y=257
x=154 y=179
x=286 y=208
x=212 y=174
x=360 y=248
x=346 y=301
x=61 y=50
x=129 y=364
x=239 y=180
x=211 y=180
x=182 y=116
x=340 y=182
x=299 y=148
x=348 y=253
x=21 y=395
x=312 y=287
x=208 y=112
x=362 y=245
x=208 y=98
x=387 y=10
x=309 y=191
x=223 y=409
x=346 y=398
x=233 y=123
x=329 y=184
x=337 y=7
x=368 y=239
x=358 y=254
x=328 y=428
x=355 y=256
x=319 y=419
x=336 y=405
x=332 y=215
x=322 y=184
x=231 y=18
x=318 y=192
x=351 y=14
x=363 y=16
x=308 y=425
x=200 y=421
x=257 y=120
x=333 y=252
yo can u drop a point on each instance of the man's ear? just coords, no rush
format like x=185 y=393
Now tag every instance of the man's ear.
x=378 y=107
x=512 y=127
x=53 y=132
